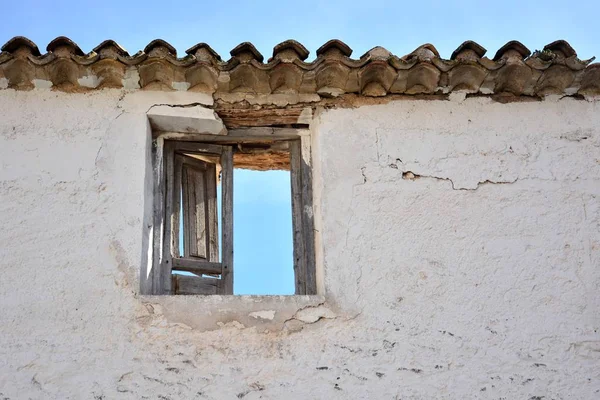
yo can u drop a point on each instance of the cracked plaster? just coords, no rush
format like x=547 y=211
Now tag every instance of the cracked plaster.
x=429 y=292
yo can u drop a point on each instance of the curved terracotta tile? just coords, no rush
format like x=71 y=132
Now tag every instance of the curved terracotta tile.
x=513 y=48
x=62 y=46
x=19 y=73
x=203 y=52
x=156 y=75
x=555 y=80
x=576 y=64
x=331 y=78
x=376 y=78
x=110 y=49
x=514 y=78
x=334 y=47
x=18 y=42
x=425 y=52
x=285 y=78
x=162 y=47
x=468 y=50
x=64 y=74
x=466 y=78
x=553 y=70
x=376 y=53
x=561 y=47
x=290 y=50
x=245 y=52
x=422 y=79
x=590 y=82
x=245 y=78
x=202 y=78
x=110 y=73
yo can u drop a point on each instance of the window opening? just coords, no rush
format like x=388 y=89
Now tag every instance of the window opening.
x=267 y=184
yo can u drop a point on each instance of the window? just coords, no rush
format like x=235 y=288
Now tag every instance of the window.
x=193 y=245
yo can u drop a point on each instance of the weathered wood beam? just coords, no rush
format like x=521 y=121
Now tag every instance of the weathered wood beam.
x=227 y=219
x=183 y=284
x=240 y=135
x=241 y=118
x=197 y=266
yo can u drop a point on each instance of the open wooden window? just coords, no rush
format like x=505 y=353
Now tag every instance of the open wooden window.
x=190 y=195
x=187 y=210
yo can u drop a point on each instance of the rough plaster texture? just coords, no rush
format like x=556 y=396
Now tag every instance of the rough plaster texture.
x=459 y=243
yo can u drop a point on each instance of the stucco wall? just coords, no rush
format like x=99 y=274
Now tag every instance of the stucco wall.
x=459 y=245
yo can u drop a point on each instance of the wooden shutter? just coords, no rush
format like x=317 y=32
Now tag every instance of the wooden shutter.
x=199 y=195
x=302 y=217
x=192 y=198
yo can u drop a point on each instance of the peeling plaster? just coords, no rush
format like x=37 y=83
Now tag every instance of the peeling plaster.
x=457 y=97
x=131 y=80
x=41 y=84
x=270 y=314
x=181 y=86
x=310 y=315
x=90 y=81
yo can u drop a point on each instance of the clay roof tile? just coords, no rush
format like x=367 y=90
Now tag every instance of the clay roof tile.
x=425 y=52
x=247 y=47
x=335 y=44
x=469 y=45
x=293 y=45
x=561 y=46
x=66 y=42
x=111 y=43
x=203 y=46
x=160 y=43
x=377 y=52
x=20 y=41
x=376 y=73
x=512 y=45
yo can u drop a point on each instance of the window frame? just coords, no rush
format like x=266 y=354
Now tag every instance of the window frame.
x=302 y=209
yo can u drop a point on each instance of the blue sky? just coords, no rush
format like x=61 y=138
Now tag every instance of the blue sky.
x=262 y=221
x=262 y=205
x=399 y=26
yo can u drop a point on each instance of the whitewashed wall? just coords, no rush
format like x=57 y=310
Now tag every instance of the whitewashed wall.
x=478 y=278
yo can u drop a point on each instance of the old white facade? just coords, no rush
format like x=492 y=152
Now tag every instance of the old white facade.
x=478 y=278
x=458 y=257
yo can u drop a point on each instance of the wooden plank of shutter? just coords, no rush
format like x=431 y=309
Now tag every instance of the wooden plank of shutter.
x=298 y=238
x=194 y=210
x=212 y=216
x=166 y=256
x=159 y=195
x=183 y=284
x=308 y=224
x=198 y=267
x=302 y=216
x=200 y=219
x=227 y=218
x=176 y=209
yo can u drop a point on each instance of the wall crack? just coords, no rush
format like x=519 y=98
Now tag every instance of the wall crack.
x=409 y=175
x=189 y=105
x=309 y=315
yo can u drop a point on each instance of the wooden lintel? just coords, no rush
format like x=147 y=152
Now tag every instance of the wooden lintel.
x=243 y=118
x=240 y=135
x=267 y=132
